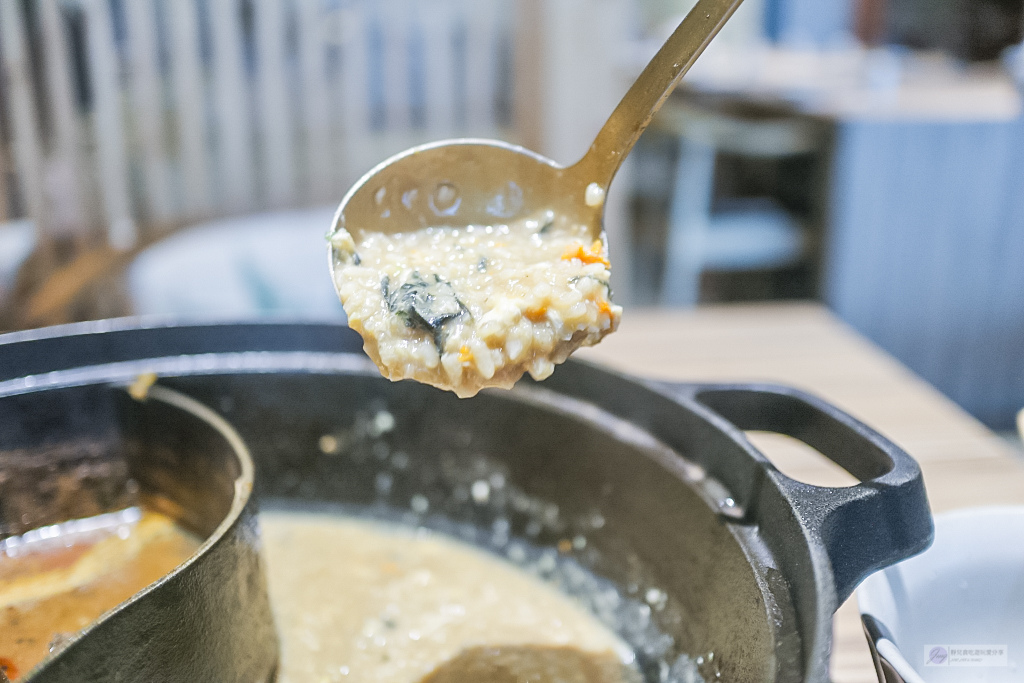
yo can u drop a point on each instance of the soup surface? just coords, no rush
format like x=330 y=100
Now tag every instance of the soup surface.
x=476 y=307
x=56 y=583
x=363 y=601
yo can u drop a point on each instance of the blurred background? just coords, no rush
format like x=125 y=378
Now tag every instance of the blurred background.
x=183 y=157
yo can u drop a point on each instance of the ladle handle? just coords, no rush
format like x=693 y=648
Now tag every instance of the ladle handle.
x=657 y=81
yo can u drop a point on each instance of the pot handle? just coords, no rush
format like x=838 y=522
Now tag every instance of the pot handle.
x=863 y=528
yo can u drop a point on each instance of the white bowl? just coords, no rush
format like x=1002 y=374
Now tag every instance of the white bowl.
x=955 y=613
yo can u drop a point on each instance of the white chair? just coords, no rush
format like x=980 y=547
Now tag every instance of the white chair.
x=759 y=235
x=268 y=264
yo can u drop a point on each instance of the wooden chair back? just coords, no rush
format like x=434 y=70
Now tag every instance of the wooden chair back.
x=130 y=118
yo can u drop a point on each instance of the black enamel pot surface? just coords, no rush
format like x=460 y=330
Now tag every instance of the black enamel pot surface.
x=654 y=484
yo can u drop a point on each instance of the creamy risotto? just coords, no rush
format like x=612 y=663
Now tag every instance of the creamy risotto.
x=362 y=601
x=479 y=306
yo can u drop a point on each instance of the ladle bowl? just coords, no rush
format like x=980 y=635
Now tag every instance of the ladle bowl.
x=456 y=183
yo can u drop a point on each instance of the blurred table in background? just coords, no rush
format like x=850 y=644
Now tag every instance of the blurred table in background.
x=922 y=244
x=856 y=83
x=803 y=345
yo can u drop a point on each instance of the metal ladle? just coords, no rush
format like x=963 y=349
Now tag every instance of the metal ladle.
x=485 y=182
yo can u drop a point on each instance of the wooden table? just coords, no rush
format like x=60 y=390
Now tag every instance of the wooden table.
x=803 y=345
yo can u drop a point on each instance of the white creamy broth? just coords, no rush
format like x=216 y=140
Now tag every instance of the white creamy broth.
x=474 y=307
x=364 y=601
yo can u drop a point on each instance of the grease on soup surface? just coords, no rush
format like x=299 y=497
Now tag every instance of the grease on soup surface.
x=60 y=583
x=474 y=307
x=364 y=601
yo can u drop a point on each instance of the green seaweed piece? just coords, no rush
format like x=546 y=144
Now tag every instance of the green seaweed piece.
x=425 y=305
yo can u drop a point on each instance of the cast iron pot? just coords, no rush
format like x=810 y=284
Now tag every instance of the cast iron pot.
x=658 y=480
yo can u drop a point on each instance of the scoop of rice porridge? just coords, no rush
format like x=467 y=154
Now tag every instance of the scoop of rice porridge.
x=478 y=306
